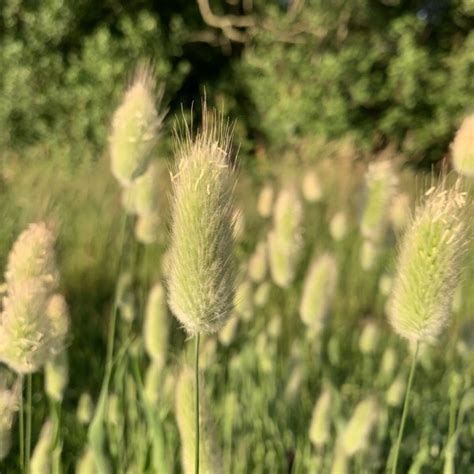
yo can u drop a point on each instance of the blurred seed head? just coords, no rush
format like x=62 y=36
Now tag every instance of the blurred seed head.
x=320 y=427
x=389 y=362
x=210 y=458
x=462 y=148
x=9 y=403
x=385 y=284
x=135 y=127
x=86 y=463
x=41 y=460
x=380 y=182
x=243 y=300
x=369 y=338
x=85 y=409
x=227 y=333
x=399 y=212
x=262 y=294
x=153 y=381
x=368 y=254
x=265 y=201
x=147 y=228
x=258 y=263
x=355 y=437
x=201 y=273
x=156 y=324
x=429 y=265
x=56 y=375
x=396 y=391
x=338 y=226
x=318 y=292
x=311 y=187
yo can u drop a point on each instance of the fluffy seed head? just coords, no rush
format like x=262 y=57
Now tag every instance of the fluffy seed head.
x=357 y=432
x=318 y=292
x=135 y=128
x=201 y=272
x=33 y=256
x=156 y=324
x=26 y=334
x=57 y=312
x=380 y=182
x=320 y=428
x=429 y=265
x=210 y=459
x=462 y=148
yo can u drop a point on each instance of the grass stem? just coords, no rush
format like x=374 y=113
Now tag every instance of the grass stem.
x=405 y=410
x=28 y=410
x=196 y=368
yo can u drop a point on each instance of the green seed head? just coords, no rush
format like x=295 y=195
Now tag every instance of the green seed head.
x=429 y=265
x=381 y=183
x=135 y=128
x=463 y=148
x=243 y=300
x=318 y=292
x=201 y=271
x=396 y=391
x=369 y=338
x=262 y=294
x=156 y=324
x=86 y=463
x=320 y=428
x=153 y=381
x=210 y=459
x=368 y=254
x=228 y=332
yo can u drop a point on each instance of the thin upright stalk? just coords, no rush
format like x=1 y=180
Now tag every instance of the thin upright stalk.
x=21 y=430
x=405 y=409
x=29 y=378
x=196 y=368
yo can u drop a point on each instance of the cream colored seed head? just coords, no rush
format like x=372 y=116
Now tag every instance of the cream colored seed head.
x=153 y=381
x=318 y=292
x=147 y=229
x=399 y=212
x=142 y=196
x=338 y=226
x=462 y=148
x=86 y=463
x=210 y=458
x=381 y=183
x=9 y=402
x=287 y=216
x=202 y=273
x=156 y=324
x=429 y=265
x=356 y=435
x=369 y=338
x=320 y=428
x=396 y=391
x=33 y=256
x=26 y=333
x=265 y=201
x=243 y=300
x=389 y=362
x=311 y=187
x=228 y=332
x=135 y=128
x=368 y=254
x=262 y=294
x=57 y=312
